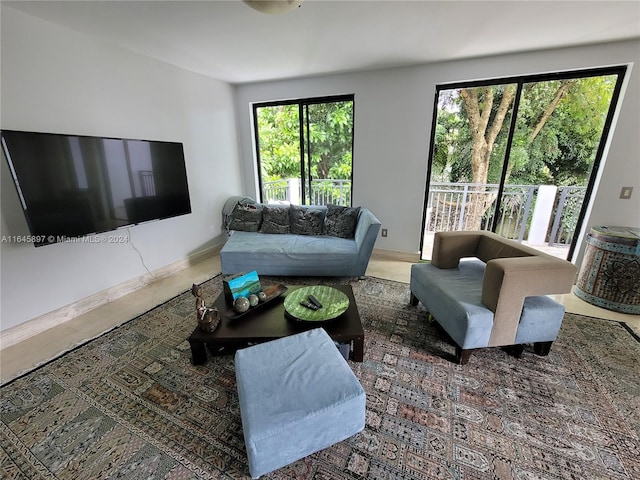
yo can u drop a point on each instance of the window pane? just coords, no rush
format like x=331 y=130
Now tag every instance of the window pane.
x=558 y=132
x=472 y=128
x=279 y=152
x=322 y=129
x=330 y=133
x=528 y=184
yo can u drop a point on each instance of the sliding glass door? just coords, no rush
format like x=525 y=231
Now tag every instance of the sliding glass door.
x=305 y=150
x=519 y=157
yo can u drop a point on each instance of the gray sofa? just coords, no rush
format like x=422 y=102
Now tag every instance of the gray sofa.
x=317 y=241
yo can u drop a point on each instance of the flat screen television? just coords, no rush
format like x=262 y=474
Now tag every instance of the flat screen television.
x=72 y=185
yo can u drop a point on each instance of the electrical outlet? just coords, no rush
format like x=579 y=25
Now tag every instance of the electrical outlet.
x=384 y=232
x=625 y=193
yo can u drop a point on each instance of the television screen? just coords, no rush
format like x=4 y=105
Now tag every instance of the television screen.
x=71 y=185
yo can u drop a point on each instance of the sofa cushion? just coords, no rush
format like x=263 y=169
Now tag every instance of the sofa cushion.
x=289 y=254
x=341 y=221
x=454 y=297
x=275 y=219
x=246 y=218
x=540 y=321
x=307 y=220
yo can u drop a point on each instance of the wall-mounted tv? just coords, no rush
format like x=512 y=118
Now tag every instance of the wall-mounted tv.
x=72 y=185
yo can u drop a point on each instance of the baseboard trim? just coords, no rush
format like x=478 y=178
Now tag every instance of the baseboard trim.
x=396 y=255
x=61 y=315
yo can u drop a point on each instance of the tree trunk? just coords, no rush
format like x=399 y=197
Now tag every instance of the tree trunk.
x=479 y=103
x=562 y=91
x=483 y=136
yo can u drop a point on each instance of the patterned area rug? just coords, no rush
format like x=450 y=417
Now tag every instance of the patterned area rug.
x=130 y=405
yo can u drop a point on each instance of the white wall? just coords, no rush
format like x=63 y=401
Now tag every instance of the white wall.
x=393 y=113
x=56 y=80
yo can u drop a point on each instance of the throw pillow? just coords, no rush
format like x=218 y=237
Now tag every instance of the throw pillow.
x=246 y=218
x=341 y=221
x=306 y=220
x=275 y=219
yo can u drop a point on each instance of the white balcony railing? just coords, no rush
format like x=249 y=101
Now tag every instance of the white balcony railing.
x=547 y=213
x=323 y=191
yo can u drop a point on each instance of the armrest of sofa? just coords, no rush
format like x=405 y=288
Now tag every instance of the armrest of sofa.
x=366 y=235
x=507 y=281
x=368 y=225
x=450 y=247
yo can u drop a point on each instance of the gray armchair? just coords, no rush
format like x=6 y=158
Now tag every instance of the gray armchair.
x=487 y=291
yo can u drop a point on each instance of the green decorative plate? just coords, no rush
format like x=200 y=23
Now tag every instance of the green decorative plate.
x=334 y=303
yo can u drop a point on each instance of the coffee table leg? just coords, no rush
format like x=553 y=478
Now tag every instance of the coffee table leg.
x=358 y=349
x=228 y=348
x=198 y=353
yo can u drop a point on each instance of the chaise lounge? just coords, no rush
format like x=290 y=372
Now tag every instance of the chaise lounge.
x=297 y=240
x=487 y=291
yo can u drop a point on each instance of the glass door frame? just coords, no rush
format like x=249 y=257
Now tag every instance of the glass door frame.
x=305 y=141
x=520 y=81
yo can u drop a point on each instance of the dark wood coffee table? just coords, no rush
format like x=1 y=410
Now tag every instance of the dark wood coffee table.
x=269 y=323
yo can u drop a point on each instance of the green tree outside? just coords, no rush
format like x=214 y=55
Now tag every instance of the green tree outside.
x=327 y=133
x=557 y=133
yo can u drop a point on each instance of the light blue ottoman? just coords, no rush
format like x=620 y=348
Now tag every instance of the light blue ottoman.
x=297 y=396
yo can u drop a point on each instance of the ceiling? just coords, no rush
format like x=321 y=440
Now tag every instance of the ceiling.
x=229 y=41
